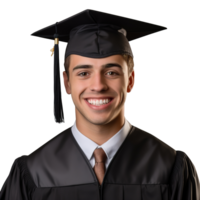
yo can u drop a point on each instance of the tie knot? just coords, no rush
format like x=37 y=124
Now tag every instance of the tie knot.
x=100 y=155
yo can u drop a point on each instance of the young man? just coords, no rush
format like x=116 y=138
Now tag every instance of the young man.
x=98 y=88
x=102 y=156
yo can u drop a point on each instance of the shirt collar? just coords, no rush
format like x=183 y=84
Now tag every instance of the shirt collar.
x=110 y=147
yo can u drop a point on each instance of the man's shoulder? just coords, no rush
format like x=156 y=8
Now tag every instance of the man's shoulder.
x=156 y=153
x=58 y=162
x=150 y=159
x=146 y=140
x=47 y=152
x=51 y=144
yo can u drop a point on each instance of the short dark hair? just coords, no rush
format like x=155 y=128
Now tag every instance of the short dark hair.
x=127 y=58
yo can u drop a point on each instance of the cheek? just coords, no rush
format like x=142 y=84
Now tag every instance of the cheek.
x=121 y=87
x=77 y=88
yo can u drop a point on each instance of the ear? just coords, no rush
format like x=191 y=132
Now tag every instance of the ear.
x=131 y=81
x=66 y=83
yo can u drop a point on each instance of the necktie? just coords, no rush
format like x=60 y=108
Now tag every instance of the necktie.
x=100 y=159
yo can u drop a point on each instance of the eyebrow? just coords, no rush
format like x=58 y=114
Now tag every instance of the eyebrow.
x=109 y=65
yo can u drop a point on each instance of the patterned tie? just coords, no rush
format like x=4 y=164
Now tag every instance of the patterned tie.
x=100 y=159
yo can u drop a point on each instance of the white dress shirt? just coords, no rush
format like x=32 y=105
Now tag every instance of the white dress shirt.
x=110 y=147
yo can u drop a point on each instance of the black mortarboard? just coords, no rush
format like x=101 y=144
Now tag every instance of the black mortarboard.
x=92 y=34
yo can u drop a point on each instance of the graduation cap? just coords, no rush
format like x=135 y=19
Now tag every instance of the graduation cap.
x=92 y=34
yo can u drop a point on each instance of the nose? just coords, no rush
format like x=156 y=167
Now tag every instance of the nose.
x=98 y=82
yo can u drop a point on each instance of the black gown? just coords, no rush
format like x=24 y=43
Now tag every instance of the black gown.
x=144 y=168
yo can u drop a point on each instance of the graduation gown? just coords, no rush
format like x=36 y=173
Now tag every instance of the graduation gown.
x=144 y=168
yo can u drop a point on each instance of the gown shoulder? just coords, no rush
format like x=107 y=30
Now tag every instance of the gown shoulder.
x=18 y=185
x=184 y=181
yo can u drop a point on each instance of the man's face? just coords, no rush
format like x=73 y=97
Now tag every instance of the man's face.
x=98 y=80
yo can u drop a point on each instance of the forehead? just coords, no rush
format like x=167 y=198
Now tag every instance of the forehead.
x=77 y=60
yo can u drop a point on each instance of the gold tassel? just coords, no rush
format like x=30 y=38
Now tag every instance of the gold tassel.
x=56 y=41
x=52 y=50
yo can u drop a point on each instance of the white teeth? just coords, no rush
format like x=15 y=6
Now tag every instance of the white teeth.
x=98 y=102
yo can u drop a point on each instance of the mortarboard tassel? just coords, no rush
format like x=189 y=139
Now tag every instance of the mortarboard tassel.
x=58 y=109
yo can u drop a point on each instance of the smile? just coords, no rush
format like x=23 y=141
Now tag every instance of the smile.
x=99 y=104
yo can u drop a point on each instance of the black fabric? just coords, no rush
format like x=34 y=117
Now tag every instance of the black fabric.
x=135 y=29
x=184 y=183
x=97 y=41
x=53 y=172
x=95 y=34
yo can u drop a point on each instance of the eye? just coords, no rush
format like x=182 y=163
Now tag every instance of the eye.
x=107 y=72
x=113 y=72
x=81 y=73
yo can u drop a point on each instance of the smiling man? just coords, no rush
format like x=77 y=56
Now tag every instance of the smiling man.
x=102 y=156
x=99 y=88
